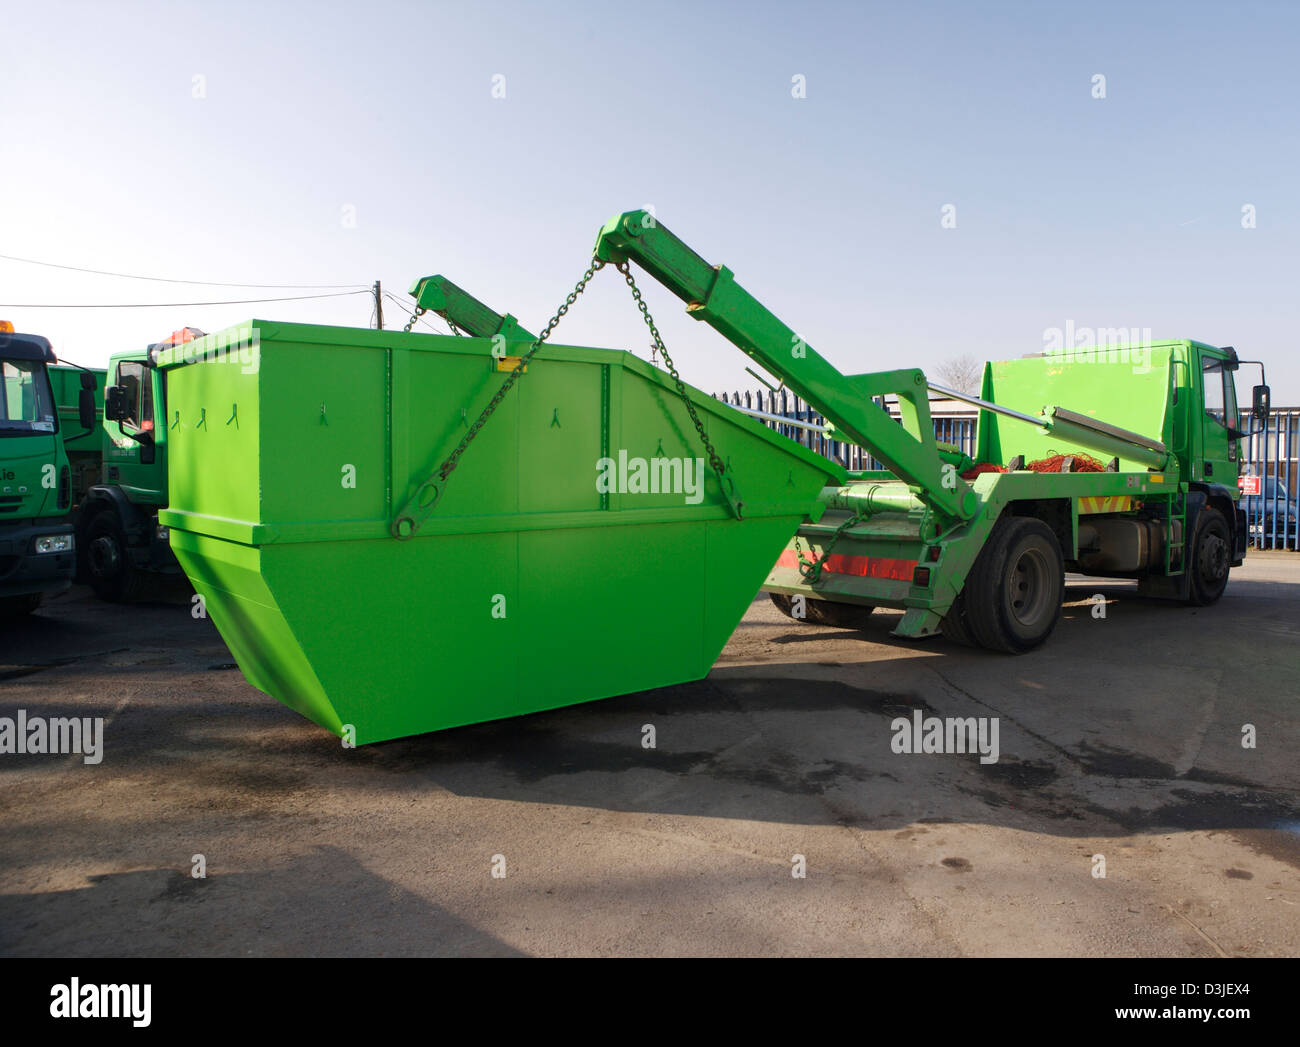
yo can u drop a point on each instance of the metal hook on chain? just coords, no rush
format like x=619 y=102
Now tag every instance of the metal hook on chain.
x=811 y=570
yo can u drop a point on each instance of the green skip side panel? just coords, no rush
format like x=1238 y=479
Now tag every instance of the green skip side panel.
x=236 y=597
x=527 y=589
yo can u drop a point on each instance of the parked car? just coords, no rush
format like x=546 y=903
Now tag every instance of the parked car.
x=1272 y=516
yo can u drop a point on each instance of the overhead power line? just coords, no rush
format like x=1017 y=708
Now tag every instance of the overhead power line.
x=407 y=306
x=170 y=280
x=170 y=305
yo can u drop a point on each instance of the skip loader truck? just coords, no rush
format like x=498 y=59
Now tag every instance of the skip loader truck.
x=398 y=532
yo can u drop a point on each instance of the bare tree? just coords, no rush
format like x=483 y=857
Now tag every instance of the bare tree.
x=963 y=373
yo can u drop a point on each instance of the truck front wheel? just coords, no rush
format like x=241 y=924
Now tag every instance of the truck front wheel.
x=1014 y=592
x=1211 y=557
x=112 y=575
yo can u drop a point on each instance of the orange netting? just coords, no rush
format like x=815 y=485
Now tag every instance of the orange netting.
x=1083 y=463
x=982 y=467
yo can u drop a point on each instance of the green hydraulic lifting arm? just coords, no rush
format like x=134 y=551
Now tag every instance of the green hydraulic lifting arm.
x=462 y=310
x=712 y=294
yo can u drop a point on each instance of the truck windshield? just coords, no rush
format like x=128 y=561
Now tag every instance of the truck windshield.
x=27 y=405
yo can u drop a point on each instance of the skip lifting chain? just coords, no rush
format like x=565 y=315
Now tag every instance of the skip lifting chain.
x=445 y=470
x=811 y=570
x=728 y=485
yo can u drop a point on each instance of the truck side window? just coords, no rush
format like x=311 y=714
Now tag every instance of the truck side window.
x=1212 y=378
x=139 y=395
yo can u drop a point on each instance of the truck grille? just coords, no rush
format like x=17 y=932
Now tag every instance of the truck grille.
x=9 y=503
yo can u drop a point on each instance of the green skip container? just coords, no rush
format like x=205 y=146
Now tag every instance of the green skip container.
x=581 y=549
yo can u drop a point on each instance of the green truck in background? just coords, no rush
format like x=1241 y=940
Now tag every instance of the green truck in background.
x=122 y=547
x=82 y=443
x=43 y=410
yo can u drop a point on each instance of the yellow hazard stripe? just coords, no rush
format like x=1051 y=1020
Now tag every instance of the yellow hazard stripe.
x=1118 y=503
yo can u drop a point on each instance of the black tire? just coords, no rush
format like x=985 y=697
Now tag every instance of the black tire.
x=823 y=612
x=1014 y=592
x=1209 y=559
x=14 y=607
x=108 y=562
x=954 y=624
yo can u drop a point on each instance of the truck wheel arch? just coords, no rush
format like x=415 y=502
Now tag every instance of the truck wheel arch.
x=1205 y=583
x=103 y=497
x=1057 y=513
x=1216 y=496
x=97 y=500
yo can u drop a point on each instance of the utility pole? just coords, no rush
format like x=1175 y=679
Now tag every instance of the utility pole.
x=379 y=305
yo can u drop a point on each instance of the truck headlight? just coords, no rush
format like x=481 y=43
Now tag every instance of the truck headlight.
x=161 y=532
x=54 y=543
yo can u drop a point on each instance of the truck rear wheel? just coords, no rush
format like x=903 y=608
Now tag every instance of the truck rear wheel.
x=954 y=624
x=108 y=561
x=1014 y=592
x=823 y=612
x=1210 y=558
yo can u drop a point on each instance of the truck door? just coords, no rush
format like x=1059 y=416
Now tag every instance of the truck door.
x=1219 y=452
x=131 y=462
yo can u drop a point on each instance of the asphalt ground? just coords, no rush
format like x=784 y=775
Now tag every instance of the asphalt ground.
x=1120 y=750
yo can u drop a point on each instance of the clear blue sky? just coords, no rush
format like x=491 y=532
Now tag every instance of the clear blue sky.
x=1122 y=212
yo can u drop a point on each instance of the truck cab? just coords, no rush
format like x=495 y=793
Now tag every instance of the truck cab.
x=37 y=541
x=122 y=542
x=1219 y=459
x=1207 y=429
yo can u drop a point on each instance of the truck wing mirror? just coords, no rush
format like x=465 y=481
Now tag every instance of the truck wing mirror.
x=1260 y=402
x=116 y=407
x=86 y=407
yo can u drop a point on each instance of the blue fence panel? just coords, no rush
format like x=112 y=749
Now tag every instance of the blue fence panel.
x=956 y=430
x=1271 y=455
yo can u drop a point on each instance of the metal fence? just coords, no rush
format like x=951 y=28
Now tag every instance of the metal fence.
x=953 y=426
x=1272 y=455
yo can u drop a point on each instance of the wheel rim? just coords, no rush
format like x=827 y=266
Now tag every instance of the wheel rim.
x=105 y=558
x=1213 y=559
x=1027 y=588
